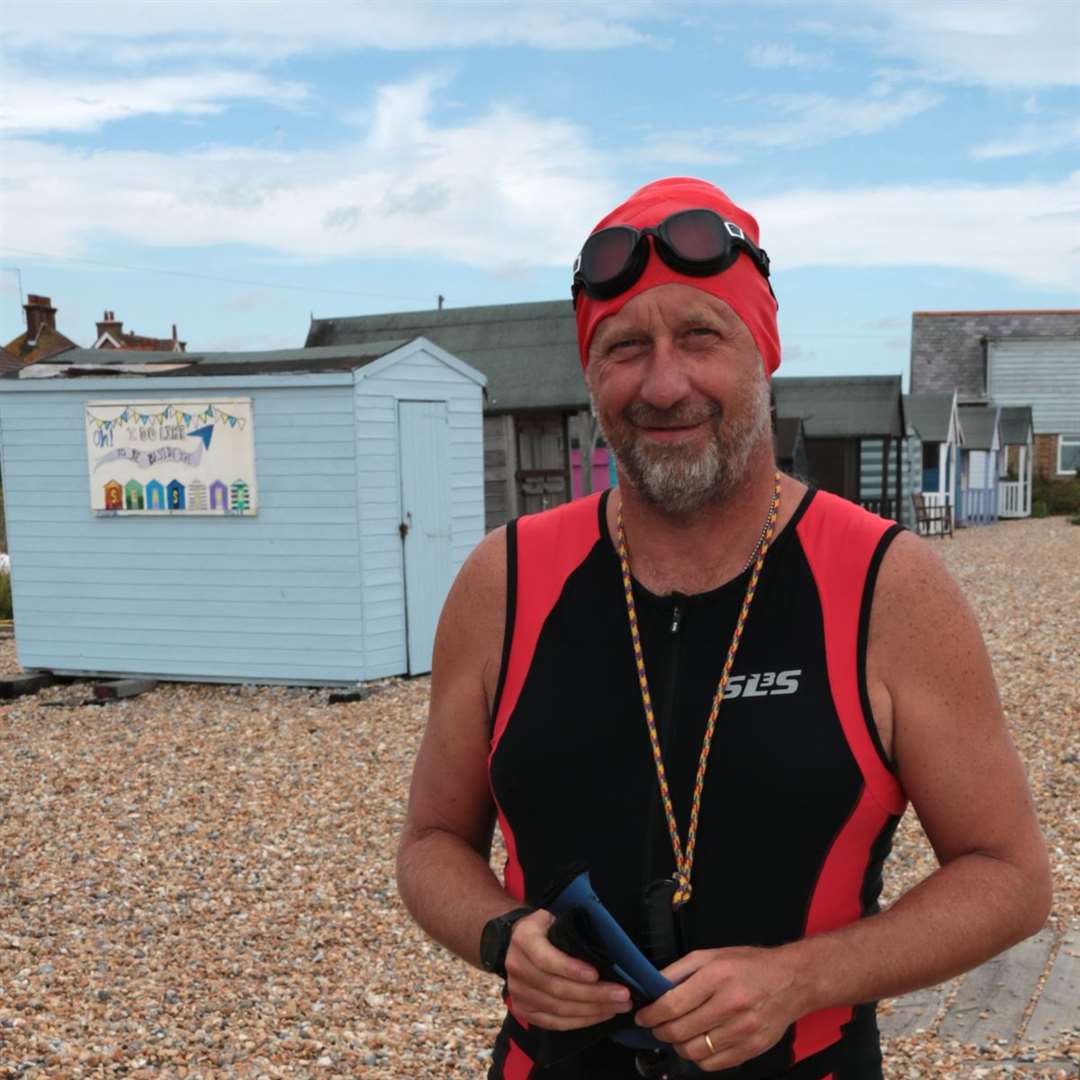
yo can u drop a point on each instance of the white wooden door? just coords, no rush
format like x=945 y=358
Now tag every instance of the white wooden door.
x=425 y=522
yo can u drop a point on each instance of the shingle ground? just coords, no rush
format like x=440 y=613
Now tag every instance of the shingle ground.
x=198 y=882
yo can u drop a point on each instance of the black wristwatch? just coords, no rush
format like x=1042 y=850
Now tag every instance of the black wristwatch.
x=495 y=940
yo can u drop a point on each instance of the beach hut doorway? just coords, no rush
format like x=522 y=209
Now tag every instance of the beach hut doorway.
x=425 y=523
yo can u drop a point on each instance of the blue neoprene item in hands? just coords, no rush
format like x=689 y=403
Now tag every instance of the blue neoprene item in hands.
x=628 y=964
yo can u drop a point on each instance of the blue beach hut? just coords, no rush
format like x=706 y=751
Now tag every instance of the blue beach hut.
x=367 y=495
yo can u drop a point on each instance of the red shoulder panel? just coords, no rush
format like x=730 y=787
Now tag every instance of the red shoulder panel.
x=550 y=547
x=839 y=540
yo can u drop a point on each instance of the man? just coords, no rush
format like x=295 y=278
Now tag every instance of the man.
x=718 y=690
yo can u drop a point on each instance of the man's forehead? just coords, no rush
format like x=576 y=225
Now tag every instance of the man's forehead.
x=669 y=304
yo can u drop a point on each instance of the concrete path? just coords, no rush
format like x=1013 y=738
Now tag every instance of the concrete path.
x=1001 y=1004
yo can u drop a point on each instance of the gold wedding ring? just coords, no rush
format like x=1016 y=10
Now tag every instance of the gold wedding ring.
x=708 y=1043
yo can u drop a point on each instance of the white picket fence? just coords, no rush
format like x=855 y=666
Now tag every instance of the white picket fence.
x=1014 y=499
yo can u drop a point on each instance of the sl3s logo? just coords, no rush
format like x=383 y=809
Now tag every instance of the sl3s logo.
x=763 y=684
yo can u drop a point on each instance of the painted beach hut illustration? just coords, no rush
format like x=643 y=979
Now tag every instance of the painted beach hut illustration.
x=175 y=494
x=134 y=498
x=196 y=495
x=239 y=496
x=114 y=496
x=367 y=494
x=155 y=495
x=219 y=496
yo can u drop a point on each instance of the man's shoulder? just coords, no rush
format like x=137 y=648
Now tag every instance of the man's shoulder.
x=582 y=510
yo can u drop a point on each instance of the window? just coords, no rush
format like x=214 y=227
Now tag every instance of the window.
x=1068 y=454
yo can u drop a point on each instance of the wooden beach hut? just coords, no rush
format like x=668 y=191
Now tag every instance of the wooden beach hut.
x=978 y=501
x=294 y=516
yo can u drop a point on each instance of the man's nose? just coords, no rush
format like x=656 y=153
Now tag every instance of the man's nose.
x=666 y=380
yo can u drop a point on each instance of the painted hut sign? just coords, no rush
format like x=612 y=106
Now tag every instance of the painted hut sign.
x=187 y=456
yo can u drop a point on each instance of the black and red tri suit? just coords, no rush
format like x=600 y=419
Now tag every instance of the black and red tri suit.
x=800 y=802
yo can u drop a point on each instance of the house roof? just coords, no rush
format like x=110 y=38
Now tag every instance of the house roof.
x=842 y=406
x=1016 y=425
x=929 y=415
x=528 y=352
x=979 y=423
x=787 y=431
x=96 y=362
x=140 y=342
x=48 y=343
x=8 y=362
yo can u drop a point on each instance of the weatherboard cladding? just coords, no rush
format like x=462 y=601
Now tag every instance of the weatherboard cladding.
x=528 y=352
x=195 y=598
x=378 y=483
x=308 y=590
x=948 y=348
x=1042 y=374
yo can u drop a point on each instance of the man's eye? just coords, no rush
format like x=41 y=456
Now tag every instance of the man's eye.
x=701 y=331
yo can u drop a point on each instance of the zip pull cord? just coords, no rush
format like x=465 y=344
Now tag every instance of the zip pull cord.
x=684 y=862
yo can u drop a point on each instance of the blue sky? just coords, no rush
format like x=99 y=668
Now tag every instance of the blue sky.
x=234 y=167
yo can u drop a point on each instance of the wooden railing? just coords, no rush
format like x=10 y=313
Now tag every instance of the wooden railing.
x=1014 y=499
x=978 y=506
x=885 y=508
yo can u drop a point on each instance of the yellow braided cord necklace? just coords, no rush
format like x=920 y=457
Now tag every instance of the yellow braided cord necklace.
x=684 y=862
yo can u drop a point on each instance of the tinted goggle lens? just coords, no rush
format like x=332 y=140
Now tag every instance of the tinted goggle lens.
x=606 y=254
x=697 y=235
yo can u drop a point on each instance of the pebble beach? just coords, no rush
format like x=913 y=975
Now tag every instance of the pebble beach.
x=198 y=882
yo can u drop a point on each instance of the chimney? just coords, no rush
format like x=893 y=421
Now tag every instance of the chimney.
x=112 y=325
x=39 y=314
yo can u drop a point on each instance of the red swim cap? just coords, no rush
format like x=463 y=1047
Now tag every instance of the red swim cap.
x=741 y=286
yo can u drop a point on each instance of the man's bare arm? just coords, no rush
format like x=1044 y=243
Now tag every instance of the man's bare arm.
x=442 y=866
x=443 y=871
x=929 y=668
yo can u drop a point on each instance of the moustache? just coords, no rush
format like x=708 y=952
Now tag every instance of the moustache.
x=642 y=415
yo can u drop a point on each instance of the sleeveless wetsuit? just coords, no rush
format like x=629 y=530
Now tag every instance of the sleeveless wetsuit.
x=800 y=801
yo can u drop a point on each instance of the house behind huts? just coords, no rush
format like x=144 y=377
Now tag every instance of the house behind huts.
x=1011 y=359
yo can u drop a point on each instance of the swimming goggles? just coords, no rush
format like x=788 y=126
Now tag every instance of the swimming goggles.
x=698 y=243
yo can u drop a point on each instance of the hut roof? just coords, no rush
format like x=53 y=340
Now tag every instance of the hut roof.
x=76 y=363
x=842 y=406
x=528 y=351
x=1016 y=425
x=979 y=423
x=929 y=415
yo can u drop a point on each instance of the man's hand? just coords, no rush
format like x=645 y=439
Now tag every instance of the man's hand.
x=552 y=990
x=742 y=998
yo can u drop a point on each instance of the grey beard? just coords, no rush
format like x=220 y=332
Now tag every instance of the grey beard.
x=682 y=482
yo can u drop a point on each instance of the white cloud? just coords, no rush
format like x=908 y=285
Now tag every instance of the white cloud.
x=1045 y=139
x=784 y=56
x=1023 y=231
x=34 y=103
x=135 y=31
x=812 y=119
x=484 y=193
x=805 y=120
x=1003 y=43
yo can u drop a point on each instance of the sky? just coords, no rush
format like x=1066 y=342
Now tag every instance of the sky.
x=237 y=167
